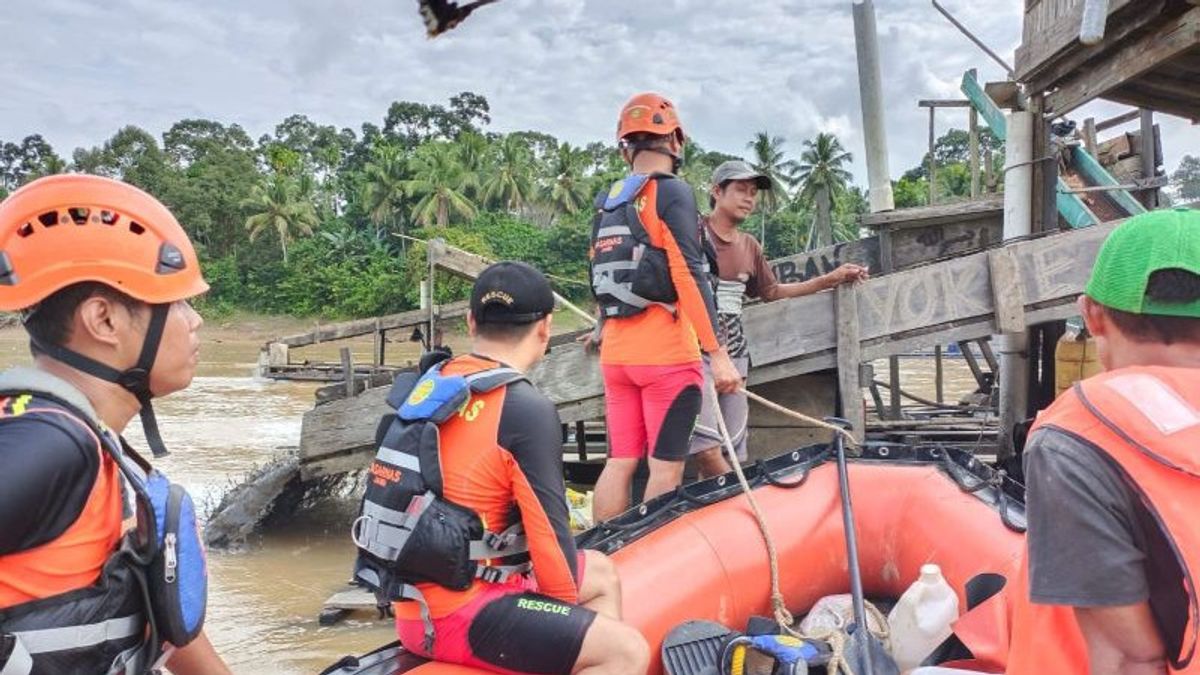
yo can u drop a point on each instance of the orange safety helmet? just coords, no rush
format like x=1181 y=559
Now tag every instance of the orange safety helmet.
x=70 y=228
x=649 y=113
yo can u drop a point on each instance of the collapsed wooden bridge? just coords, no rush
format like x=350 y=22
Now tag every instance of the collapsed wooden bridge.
x=996 y=291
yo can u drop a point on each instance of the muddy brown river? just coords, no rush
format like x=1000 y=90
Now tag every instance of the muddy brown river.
x=264 y=599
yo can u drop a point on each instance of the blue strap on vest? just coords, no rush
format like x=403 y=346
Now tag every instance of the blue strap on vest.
x=435 y=397
x=625 y=191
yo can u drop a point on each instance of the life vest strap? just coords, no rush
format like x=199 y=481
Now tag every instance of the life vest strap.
x=85 y=635
x=19 y=661
x=28 y=643
x=397 y=458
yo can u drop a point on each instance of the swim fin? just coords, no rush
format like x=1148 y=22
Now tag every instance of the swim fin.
x=694 y=648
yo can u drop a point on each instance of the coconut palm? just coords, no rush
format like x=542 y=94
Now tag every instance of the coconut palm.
x=440 y=184
x=822 y=177
x=383 y=192
x=510 y=182
x=767 y=158
x=276 y=204
x=566 y=188
x=474 y=153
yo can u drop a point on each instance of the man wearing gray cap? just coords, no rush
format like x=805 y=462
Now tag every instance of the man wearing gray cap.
x=742 y=271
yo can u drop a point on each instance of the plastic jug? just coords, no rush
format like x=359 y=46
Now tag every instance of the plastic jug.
x=921 y=620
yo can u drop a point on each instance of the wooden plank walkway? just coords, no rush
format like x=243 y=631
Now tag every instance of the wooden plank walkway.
x=935 y=304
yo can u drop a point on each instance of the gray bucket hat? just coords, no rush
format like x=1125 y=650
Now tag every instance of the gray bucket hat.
x=736 y=169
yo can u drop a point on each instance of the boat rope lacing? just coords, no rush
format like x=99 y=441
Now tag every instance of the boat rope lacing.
x=834 y=637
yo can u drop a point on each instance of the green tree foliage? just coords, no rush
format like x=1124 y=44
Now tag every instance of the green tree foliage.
x=28 y=160
x=440 y=183
x=384 y=185
x=823 y=178
x=565 y=188
x=279 y=204
x=954 y=147
x=1187 y=178
x=312 y=219
x=509 y=182
x=767 y=157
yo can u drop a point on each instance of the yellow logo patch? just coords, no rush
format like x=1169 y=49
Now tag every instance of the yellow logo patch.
x=616 y=189
x=420 y=392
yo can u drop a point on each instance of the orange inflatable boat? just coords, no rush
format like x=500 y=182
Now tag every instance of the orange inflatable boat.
x=698 y=554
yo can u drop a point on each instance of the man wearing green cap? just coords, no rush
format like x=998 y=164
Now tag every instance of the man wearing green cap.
x=1113 y=472
x=742 y=271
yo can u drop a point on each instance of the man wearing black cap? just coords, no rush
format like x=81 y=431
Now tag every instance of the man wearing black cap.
x=742 y=271
x=501 y=457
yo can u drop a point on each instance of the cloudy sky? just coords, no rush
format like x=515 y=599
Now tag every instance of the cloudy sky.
x=76 y=70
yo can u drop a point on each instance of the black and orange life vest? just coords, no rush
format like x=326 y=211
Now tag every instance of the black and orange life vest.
x=94 y=621
x=1146 y=420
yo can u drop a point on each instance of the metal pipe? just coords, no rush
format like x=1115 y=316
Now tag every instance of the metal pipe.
x=870 y=89
x=1095 y=18
x=978 y=43
x=1018 y=222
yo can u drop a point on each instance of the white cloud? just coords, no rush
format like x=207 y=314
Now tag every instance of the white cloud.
x=77 y=70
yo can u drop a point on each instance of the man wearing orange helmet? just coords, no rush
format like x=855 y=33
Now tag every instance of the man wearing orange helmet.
x=650 y=275
x=101 y=567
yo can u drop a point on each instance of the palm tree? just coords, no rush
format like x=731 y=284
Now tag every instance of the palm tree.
x=768 y=159
x=276 y=204
x=822 y=178
x=439 y=184
x=566 y=190
x=510 y=181
x=383 y=193
x=474 y=153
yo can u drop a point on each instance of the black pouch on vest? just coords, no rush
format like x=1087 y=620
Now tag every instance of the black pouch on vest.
x=440 y=545
x=652 y=278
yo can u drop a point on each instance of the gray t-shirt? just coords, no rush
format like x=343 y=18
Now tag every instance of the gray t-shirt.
x=1092 y=540
x=1086 y=540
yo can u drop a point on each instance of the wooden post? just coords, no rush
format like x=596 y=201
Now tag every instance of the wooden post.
x=932 y=160
x=377 y=352
x=938 y=383
x=348 y=371
x=849 y=356
x=432 y=297
x=887 y=265
x=989 y=181
x=1089 y=136
x=581 y=440
x=973 y=148
x=1149 y=157
x=972 y=363
x=985 y=348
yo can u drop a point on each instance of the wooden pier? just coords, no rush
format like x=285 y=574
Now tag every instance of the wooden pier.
x=965 y=298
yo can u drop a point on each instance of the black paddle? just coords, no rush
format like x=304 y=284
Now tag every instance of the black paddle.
x=864 y=653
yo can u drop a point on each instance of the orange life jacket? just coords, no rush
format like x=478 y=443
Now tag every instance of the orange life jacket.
x=1147 y=420
x=73 y=604
x=74 y=558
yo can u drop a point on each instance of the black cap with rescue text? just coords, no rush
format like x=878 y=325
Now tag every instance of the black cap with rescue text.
x=511 y=292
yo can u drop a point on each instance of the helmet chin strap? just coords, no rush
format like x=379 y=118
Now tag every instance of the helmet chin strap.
x=135 y=380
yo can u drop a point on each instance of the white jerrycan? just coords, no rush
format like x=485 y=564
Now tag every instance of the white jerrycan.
x=921 y=620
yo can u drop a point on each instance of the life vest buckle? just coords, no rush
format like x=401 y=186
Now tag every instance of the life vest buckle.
x=492 y=575
x=501 y=541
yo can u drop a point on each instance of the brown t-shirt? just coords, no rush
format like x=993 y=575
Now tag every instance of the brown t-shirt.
x=742 y=271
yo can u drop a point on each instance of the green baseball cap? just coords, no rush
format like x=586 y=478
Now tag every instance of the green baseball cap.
x=1139 y=247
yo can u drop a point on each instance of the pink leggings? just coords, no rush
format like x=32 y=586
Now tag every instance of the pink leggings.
x=651 y=409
